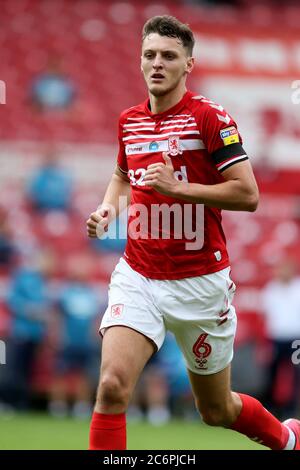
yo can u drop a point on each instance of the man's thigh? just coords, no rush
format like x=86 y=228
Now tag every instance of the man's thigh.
x=125 y=353
x=211 y=390
x=131 y=304
x=203 y=319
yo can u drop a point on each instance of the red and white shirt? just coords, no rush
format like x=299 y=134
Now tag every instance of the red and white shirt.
x=202 y=141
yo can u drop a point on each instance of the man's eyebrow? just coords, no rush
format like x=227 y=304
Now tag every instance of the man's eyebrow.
x=164 y=51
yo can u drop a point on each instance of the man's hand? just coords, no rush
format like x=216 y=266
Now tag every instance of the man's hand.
x=98 y=222
x=161 y=176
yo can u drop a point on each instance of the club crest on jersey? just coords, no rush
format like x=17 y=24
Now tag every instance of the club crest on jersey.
x=116 y=311
x=174 y=145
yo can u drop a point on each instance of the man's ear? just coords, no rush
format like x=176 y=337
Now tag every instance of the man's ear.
x=190 y=64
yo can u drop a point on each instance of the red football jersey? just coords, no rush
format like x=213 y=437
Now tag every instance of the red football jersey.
x=202 y=141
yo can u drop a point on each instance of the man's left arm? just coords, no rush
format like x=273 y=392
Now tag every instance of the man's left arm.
x=238 y=192
x=223 y=143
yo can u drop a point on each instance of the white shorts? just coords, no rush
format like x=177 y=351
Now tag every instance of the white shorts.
x=197 y=310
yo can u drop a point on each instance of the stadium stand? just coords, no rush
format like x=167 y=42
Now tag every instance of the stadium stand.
x=98 y=44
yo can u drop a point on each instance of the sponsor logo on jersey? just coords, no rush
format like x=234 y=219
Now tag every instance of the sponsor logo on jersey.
x=134 y=149
x=163 y=146
x=174 y=145
x=153 y=146
x=229 y=135
x=116 y=311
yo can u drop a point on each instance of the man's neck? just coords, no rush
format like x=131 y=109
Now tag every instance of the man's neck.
x=160 y=104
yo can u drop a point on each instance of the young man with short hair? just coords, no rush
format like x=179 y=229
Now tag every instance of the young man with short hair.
x=180 y=156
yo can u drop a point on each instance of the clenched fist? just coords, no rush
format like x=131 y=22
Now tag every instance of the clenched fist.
x=98 y=222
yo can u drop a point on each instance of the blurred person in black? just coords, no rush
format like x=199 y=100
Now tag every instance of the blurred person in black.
x=7 y=248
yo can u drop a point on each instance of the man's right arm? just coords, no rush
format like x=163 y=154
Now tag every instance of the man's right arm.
x=116 y=199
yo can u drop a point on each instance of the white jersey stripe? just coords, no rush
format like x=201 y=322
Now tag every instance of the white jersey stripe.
x=159 y=136
x=179 y=115
x=171 y=121
x=162 y=146
x=140 y=124
x=140 y=129
x=179 y=125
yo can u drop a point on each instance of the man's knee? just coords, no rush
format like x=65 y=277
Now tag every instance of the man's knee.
x=113 y=390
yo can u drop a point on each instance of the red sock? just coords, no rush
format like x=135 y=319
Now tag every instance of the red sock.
x=260 y=425
x=108 y=432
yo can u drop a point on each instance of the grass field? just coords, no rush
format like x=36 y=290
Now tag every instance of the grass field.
x=41 y=432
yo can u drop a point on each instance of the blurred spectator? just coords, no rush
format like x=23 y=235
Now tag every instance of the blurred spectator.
x=171 y=362
x=281 y=305
x=252 y=352
x=29 y=308
x=52 y=89
x=51 y=186
x=164 y=389
x=156 y=395
x=7 y=248
x=78 y=350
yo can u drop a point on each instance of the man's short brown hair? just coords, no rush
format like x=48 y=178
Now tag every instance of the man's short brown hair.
x=170 y=26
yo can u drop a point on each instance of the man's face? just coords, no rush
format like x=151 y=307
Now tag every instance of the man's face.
x=165 y=63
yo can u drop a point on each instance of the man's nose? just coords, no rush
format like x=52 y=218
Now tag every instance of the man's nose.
x=157 y=63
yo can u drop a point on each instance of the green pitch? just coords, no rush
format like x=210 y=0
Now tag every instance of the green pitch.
x=41 y=432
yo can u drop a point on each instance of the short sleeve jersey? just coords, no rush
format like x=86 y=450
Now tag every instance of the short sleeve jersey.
x=170 y=238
